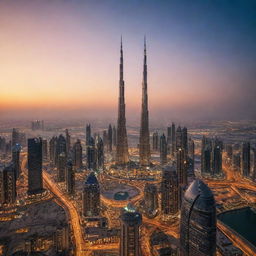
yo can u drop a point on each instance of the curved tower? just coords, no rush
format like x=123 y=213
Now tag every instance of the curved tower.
x=198 y=221
x=144 y=145
x=122 y=144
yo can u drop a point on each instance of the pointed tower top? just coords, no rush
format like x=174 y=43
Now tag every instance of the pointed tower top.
x=121 y=42
x=145 y=46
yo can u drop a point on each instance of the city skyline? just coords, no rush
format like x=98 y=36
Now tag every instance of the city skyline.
x=190 y=64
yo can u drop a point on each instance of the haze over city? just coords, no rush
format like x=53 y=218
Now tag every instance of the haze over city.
x=60 y=59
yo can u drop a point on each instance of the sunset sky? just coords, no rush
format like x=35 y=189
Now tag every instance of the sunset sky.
x=60 y=59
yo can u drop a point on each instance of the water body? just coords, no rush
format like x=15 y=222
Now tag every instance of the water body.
x=243 y=221
x=121 y=195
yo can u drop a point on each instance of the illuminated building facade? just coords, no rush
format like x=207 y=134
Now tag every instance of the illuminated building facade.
x=77 y=153
x=150 y=198
x=169 y=191
x=70 y=177
x=130 y=232
x=198 y=221
x=91 y=196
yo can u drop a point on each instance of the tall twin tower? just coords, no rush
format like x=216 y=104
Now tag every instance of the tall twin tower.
x=122 y=156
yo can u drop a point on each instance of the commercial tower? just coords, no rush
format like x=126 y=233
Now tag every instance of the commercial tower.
x=163 y=149
x=91 y=196
x=144 y=145
x=198 y=221
x=151 y=198
x=7 y=184
x=78 y=154
x=130 y=232
x=169 y=191
x=122 y=144
x=35 y=182
x=16 y=159
x=70 y=177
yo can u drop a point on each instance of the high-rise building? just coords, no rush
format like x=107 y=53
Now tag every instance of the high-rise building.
x=61 y=147
x=68 y=141
x=198 y=221
x=185 y=139
x=150 y=198
x=169 y=191
x=178 y=141
x=144 y=144
x=61 y=166
x=35 y=181
x=206 y=150
x=16 y=159
x=254 y=164
x=110 y=138
x=2 y=144
x=52 y=148
x=7 y=184
x=91 y=196
x=91 y=154
x=122 y=143
x=78 y=155
x=105 y=139
x=173 y=139
x=155 y=141
x=130 y=232
x=191 y=154
x=245 y=163
x=88 y=134
x=70 y=177
x=182 y=166
x=15 y=137
x=169 y=135
x=114 y=136
x=163 y=150
x=216 y=159
x=100 y=153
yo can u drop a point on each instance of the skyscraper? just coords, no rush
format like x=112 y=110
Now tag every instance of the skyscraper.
x=68 y=141
x=216 y=159
x=61 y=147
x=246 y=159
x=173 y=139
x=91 y=196
x=15 y=137
x=169 y=191
x=178 y=141
x=91 y=154
x=110 y=141
x=155 y=141
x=130 y=232
x=61 y=166
x=78 y=157
x=114 y=136
x=198 y=221
x=7 y=184
x=70 y=177
x=144 y=144
x=52 y=149
x=100 y=153
x=88 y=134
x=16 y=159
x=206 y=150
x=191 y=153
x=163 y=150
x=122 y=144
x=182 y=166
x=150 y=198
x=35 y=182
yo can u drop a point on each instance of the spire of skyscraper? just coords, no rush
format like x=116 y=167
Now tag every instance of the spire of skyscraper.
x=122 y=144
x=144 y=145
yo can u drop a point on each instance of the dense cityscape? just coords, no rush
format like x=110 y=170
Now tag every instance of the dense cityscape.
x=84 y=190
